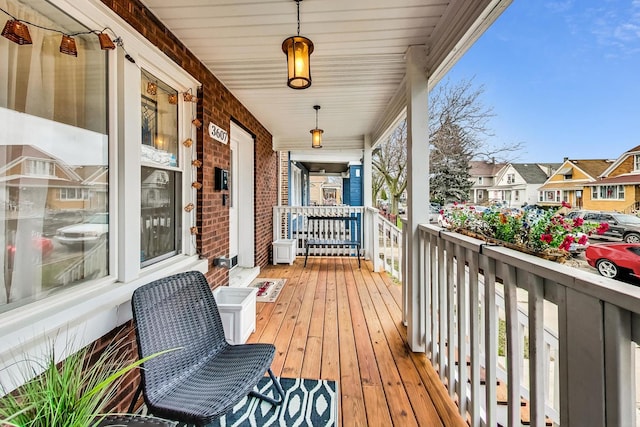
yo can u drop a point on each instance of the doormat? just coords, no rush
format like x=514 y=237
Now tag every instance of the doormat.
x=306 y=403
x=268 y=289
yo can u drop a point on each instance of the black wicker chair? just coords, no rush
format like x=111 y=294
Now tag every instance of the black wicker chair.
x=205 y=376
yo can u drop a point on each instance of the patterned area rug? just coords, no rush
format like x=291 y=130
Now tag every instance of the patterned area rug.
x=268 y=289
x=307 y=403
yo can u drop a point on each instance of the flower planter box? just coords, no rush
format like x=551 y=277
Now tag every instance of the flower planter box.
x=237 y=307
x=284 y=251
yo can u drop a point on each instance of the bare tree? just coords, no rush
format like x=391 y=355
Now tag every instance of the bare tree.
x=458 y=132
x=390 y=166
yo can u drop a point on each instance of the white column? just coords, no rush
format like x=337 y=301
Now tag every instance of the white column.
x=417 y=188
x=367 y=171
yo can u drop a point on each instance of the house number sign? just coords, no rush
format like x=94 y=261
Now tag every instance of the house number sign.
x=218 y=133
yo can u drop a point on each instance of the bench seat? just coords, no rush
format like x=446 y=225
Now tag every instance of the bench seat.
x=316 y=242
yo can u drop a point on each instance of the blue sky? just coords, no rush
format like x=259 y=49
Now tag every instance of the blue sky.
x=563 y=78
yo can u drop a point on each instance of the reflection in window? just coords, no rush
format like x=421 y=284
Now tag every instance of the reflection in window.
x=54 y=163
x=160 y=181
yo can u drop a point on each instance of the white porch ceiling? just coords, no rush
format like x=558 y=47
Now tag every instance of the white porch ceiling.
x=357 y=67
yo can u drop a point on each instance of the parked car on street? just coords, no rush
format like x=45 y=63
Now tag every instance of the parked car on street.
x=91 y=231
x=621 y=226
x=614 y=260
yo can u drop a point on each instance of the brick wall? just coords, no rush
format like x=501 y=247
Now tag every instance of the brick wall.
x=218 y=105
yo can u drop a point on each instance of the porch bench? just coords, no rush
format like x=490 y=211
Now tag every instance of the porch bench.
x=351 y=224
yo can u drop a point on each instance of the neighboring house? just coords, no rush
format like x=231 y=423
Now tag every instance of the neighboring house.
x=36 y=180
x=483 y=175
x=618 y=187
x=516 y=184
x=567 y=183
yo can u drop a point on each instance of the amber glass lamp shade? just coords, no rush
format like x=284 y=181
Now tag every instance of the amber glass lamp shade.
x=316 y=138
x=68 y=45
x=298 y=50
x=17 y=32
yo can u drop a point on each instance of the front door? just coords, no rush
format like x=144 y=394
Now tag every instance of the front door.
x=241 y=204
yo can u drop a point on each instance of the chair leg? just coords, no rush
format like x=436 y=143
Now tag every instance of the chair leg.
x=306 y=256
x=279 y=389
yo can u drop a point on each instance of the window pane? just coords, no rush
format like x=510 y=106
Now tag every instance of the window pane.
x=159 y=227
x=159 y=122
x=53 y=159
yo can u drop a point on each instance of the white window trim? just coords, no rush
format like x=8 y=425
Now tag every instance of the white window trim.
x=79 y=315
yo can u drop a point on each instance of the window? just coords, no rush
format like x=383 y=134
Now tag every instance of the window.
x=39 y=168
x=636 y=162
x=480 y=180
x=608 y=192
x=73 y=194
x=565 y=196
x=517 y=195
x=511 y=178
x=161 y=181
x=57 y=106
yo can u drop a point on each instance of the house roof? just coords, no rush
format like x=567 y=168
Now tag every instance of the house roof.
x=592 y=167
x=614 y=165
x=484 y=168
x=558 y=185
x=530 y=172
x=627 y=179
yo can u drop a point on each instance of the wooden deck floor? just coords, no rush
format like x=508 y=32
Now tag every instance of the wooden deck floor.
x=334 y=321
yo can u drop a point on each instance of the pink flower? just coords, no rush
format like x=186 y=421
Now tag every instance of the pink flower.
x=547 y=238
x=602 y=228
x=583 y=239
x=577 y=222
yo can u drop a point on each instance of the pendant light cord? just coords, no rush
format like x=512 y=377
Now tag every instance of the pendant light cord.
x=298 y=3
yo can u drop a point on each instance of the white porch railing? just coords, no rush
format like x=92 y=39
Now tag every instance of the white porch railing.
x=378 y=236
x=389 y=247
x=291 y=222
x=568 y=334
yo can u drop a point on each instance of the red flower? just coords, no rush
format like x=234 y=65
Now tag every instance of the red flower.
x=566 y=205
x=602 y=228
x=577 y=222
x=566 y=243
x=583 y=239
x=547 y=238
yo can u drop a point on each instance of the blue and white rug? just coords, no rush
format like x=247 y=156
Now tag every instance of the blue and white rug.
x=307 y=403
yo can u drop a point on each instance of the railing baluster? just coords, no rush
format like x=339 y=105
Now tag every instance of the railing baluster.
x=508 y=274
x=462 y=331
x=537 y=373
x=491 y=339
x=442 y=309
x=451 y=321
x=474 y=344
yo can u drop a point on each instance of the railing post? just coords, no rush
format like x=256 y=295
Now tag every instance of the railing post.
x=375 y=240
x=582 y=385
x=619 y=372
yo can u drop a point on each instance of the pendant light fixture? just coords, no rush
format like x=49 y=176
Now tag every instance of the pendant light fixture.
x=298 y=50
x=316 y=134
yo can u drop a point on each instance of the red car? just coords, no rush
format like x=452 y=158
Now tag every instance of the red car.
x=615 y=259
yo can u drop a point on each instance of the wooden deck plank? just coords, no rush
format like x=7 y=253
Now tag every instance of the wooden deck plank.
x=352 y=398
x=295 y=356
x=312 y=363
x=393 y=382
x=269 y=319
x=335 y=321
x=330 y=355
